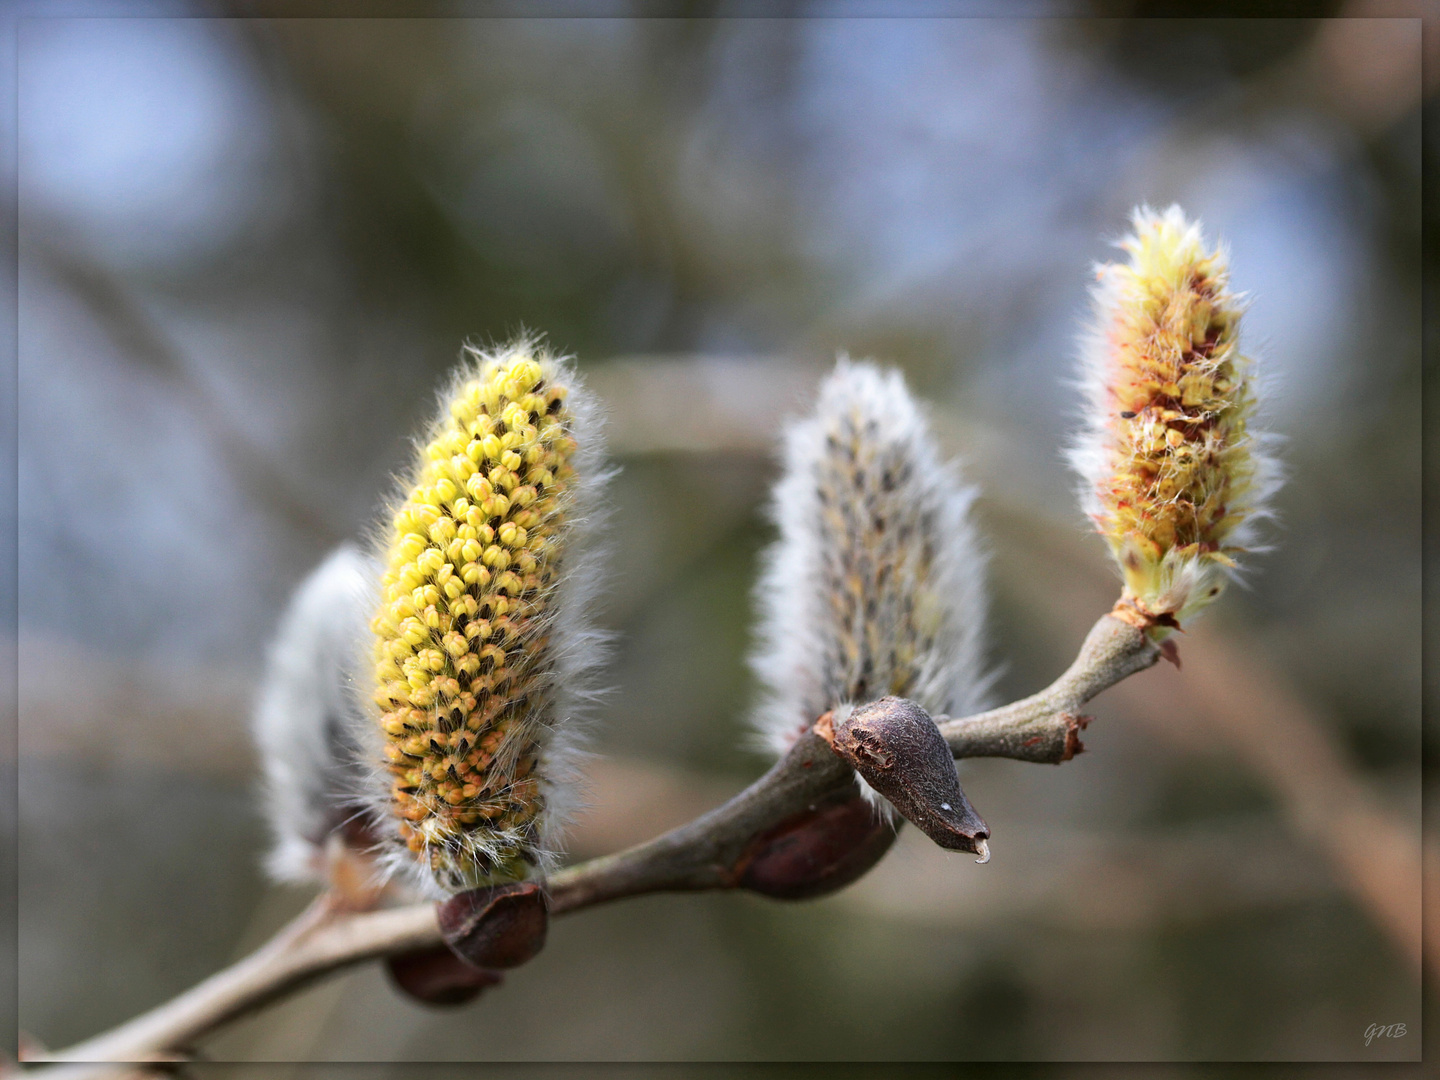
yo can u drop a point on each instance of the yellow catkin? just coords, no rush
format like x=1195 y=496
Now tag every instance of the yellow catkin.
x=464 y=664
x=1171 y=466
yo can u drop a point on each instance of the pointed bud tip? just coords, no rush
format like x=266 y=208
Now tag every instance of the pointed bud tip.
x=896 y=747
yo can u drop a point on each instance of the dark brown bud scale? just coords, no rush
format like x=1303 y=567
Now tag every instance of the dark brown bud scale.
x=900 y=752
x=818 y=851
x=436 y=976
x=500 y=926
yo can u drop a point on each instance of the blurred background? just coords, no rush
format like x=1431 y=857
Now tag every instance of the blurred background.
x=249 y=252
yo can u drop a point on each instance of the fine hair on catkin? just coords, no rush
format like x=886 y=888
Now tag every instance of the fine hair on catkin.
x=484 y=652
x=306 y=710
x=875 y=585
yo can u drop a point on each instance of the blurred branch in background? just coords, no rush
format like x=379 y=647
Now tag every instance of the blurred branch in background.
x=143 y=341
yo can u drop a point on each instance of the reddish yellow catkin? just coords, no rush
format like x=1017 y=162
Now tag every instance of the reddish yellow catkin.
x=477 y=639
x=1173 y=477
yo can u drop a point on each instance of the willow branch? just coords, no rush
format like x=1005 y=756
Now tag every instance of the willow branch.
x=711 y=852
x=321 y=940
x=1045 y=727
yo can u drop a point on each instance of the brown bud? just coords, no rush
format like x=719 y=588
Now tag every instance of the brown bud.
x=501 y=926
x=436 y=976
x=900 y=752
x=818 y=851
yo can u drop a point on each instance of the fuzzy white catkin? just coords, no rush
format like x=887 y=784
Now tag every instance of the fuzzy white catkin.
x=305 y=713
x=875 y=585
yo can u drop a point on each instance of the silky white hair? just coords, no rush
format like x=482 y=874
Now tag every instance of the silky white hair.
x=306 y=709
x=876 y=583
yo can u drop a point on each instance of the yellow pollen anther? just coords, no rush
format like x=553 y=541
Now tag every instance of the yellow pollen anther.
x=462 y=640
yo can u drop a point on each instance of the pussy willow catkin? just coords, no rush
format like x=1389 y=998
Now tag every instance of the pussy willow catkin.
x=1172 y=474
x=305 y=712
x=875 y=585
x=479 y=639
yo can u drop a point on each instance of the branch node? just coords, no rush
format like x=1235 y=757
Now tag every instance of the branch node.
x=1073 y=726
x=1129 y=611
